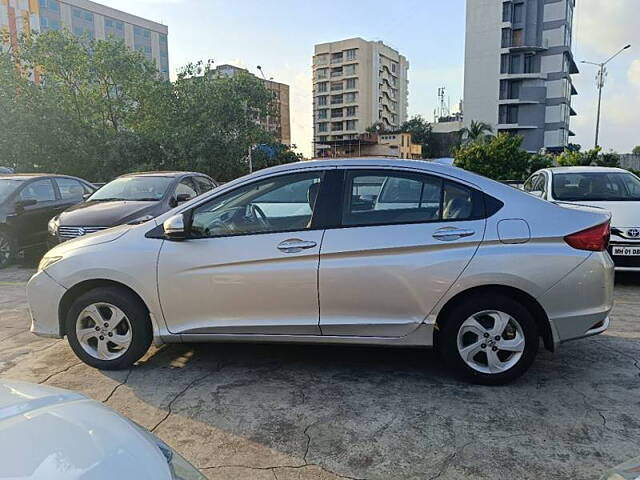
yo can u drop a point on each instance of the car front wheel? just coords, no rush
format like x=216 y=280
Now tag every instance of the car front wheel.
x=489 y=339
x=108 y=328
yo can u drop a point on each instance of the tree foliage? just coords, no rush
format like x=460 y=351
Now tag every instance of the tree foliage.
x=636 y=150
x=476 y=132
x=500 y=158
x=420 y=131
x=101 y=109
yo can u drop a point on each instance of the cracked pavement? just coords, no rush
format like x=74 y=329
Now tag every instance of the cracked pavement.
x=301 y=412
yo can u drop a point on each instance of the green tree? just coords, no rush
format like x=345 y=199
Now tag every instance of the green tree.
x=609 y=159
x=500 y=158
x=576 y=158
x=377 y=127
x=420 y=131
x=636 y=150
x=477 y=132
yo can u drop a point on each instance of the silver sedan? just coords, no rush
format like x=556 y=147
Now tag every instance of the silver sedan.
x=361 y=251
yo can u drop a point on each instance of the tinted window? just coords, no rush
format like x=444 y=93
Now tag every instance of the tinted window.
x=596 y=186
x=186 y=187
x=203 y=184
x=40 y=190
x=70 y=189
x=7 y=187
x=400 y=197
x=277 y=204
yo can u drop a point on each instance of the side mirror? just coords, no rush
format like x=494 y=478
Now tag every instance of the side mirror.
x=183 y=197
x=21 y=204
x=174 y=228
x=86 y=196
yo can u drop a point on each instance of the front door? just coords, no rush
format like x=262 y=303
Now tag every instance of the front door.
x=251 y=264
x=404 y=239
x=30 y=221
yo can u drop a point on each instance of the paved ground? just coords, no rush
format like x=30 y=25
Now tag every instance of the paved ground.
x=311 y=412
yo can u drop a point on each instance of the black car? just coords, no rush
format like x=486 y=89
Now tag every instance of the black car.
x=27 y=203
x=131 y=198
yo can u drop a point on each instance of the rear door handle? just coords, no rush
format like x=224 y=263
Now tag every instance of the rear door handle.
x=449 y=234
x=295 y=245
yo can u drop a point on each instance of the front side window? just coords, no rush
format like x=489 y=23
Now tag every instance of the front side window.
x=70 y=189
x=203 y=184
x=144 y=188
x=277 y=204
x=7 y=187
x=387 y=198
x=186 y=190
x=40 y=190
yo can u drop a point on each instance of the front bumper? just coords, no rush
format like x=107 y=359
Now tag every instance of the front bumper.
x=44 y=295
x=579 y=305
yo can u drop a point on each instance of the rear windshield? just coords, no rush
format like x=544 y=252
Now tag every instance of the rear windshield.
x=596 y=186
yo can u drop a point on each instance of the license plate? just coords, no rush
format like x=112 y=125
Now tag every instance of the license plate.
x=626 y=251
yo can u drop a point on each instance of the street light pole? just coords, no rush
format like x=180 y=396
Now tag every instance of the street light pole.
x=602 y=73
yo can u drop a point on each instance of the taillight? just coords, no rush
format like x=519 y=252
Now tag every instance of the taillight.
x=595 y=239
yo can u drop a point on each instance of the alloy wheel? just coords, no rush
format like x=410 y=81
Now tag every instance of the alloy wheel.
x=491 y=341
x=103 y=331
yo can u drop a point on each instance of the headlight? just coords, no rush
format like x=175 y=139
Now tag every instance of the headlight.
x=47 y=261
x=180 y=468
x=142 y=219
x=53 y=225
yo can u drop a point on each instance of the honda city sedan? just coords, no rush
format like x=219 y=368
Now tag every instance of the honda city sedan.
x=351 y=251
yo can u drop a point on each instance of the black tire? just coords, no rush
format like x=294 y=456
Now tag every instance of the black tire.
x=7 y=257
x=136 y=313
x=450 y=326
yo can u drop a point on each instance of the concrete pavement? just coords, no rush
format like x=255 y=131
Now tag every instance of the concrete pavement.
x=313 y=412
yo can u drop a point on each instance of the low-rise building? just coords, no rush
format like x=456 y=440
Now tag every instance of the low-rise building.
x=388 y=144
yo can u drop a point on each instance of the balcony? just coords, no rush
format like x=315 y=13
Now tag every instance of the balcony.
x=336 y=60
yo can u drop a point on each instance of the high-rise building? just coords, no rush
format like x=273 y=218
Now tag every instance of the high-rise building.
x=356 y=84
x=518 y=67
x=280 y=122
x=83 y=17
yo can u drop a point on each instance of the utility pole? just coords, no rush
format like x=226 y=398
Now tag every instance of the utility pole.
x=600 y=78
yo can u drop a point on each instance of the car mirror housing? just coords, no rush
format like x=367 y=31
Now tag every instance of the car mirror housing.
x=175 y=227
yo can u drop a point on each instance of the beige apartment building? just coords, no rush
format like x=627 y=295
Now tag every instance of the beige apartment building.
x=280 y=122
x=83 y=17
x=356 y=83
x=390 y=145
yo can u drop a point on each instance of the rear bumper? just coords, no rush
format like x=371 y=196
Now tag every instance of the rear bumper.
x=579 y=305
x=44 y=295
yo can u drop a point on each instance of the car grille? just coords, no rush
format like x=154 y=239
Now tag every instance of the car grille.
x=73 y=232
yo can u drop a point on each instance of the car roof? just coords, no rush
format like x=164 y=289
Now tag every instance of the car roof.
x=31 y=176
x=172 y=174
x=586 y=170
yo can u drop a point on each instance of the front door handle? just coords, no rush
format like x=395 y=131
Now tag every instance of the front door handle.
x=295 y=245
x=449 y=234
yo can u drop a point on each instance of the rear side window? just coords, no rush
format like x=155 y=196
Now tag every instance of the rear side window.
x=394 y=197
x=40 y=190
x=203 y=184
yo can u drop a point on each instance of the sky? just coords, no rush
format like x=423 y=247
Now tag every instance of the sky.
x=279 y=35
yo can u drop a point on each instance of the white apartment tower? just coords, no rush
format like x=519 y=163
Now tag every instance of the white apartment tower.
x=356 y=83
x=518 y=67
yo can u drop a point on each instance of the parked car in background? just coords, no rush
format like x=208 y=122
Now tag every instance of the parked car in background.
x=131 y=198
x=27 y=202
x=293 y=254
x=51 y=433
x=5 y=170
x=613 y=189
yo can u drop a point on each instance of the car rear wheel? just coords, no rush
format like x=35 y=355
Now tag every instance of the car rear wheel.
x=108 y=328
x=489 y=339
x=7 y=250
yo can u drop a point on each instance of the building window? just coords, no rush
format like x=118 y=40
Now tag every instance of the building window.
x=336 y=57
x=77 y=13
x=323 y=127
x=44 y=22
x=336 y=126
x=336 y=99
x=351 y=83
x=518 y=12
x=350 y=69
x=504 y=63
x=323 y=86
x=336 y=72
x=322 y=114
x=336 y=86
x=509 y=89
x=351 y=111
x=322 y=59
x=88 y=16
x=394 y=67
x=350 y=97
x=529 y=64
x=351 y=125
x=506 y=12
x=517 y=39
x=350 y=54
x=336 y=113
x=322 y=73
x=506 y=37
x=323 y=138
x=514 y=66
x=322 y=100
x=508 y=114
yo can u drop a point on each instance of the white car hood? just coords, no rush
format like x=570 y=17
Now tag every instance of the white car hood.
x=623 y=214
x=48 y=433
x=102 y=236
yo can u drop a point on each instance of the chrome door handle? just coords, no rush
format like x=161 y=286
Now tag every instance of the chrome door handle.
x=448 y=234
x=295 y=245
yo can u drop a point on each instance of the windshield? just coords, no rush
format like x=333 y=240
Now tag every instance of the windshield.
x=596 y=186
x=144 y=188
x=7 y=187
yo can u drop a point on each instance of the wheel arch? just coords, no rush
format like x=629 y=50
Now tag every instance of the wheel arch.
x=529 y=302
x=78 y=289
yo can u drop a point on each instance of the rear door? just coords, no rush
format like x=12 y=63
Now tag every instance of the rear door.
x=30 y=221
x=402 y=241
x=71 y=191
